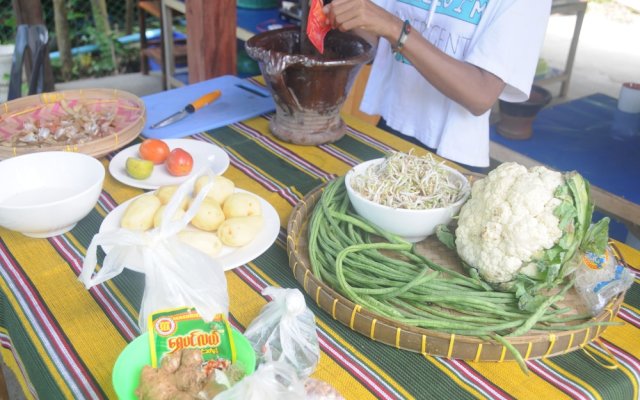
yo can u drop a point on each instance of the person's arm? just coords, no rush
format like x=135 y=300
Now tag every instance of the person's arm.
x=470 y=86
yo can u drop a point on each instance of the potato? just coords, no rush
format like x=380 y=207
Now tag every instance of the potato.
x=221 y=189
x=157 y=217
x=238 y=231
x=209 y=215
x=206 y=242
x=165 y=193
x=139 y=214
x=241 y=205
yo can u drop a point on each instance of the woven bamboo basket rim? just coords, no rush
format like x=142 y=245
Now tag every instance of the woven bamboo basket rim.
x=379 y=328
x=96 y=148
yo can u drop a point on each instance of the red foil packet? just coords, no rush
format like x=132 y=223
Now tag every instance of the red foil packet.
x=316 y=26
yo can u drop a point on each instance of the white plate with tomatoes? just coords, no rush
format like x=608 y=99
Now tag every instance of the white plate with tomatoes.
x=202 y=154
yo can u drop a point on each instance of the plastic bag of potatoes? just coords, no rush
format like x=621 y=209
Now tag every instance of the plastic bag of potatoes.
x=177 y=274
x=225 y=217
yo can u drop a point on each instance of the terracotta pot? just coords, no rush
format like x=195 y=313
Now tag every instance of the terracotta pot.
x=516 y=119
x=309 y=90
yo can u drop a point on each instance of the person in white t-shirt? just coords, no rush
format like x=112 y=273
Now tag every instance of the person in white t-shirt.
x=444 y=63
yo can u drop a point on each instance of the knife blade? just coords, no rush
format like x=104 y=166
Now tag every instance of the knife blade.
x=189 y=109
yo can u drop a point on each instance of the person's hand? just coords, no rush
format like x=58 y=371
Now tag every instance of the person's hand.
x=347 y=15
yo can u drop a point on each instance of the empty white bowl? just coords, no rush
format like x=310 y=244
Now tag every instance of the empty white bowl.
x=411 y=225
x=45 y=194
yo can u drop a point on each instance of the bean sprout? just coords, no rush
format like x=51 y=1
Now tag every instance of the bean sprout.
x=407 y=181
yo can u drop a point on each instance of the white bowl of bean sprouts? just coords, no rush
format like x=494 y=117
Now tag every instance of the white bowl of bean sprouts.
x=407 y=195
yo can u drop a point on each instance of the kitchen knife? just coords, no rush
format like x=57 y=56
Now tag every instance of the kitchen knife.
x=189 y=109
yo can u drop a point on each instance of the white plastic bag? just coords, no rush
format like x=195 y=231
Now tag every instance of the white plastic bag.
x=601 y=277
x=285 y=330
x=271 y=381
x=176 y=274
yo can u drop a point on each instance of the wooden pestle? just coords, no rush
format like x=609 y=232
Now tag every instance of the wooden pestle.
x=305 y=44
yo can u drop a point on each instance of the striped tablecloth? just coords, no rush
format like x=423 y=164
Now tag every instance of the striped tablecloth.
x=61 y=340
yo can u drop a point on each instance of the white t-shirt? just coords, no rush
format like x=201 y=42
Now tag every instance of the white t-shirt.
x=503 y=37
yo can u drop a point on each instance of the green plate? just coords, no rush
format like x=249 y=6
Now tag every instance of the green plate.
x=126 y=371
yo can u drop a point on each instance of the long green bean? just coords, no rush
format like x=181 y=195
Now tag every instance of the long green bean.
x=384 y=273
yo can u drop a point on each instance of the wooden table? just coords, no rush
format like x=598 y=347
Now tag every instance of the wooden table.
x=62 y=340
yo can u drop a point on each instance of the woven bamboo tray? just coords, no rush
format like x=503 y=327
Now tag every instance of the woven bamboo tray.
x=129 y=109
x=531 y=346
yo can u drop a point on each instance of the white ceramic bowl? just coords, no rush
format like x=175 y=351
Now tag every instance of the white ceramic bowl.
x=45 y=194
x=412 y=225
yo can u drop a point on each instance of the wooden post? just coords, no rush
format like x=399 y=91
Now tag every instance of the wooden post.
x=211 y=38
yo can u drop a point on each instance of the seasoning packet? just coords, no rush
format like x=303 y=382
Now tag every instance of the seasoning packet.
x=183 y=328
x=316 y=26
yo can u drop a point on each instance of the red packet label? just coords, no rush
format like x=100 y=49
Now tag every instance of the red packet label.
x=316 y=26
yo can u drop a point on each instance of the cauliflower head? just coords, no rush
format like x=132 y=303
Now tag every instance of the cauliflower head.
x=508 y=221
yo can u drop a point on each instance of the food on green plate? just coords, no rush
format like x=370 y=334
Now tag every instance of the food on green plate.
x=206 y=242
x=209 y=216
x=404 y=180
x=221 y=189
x=140 y=212
x=241 y=205
x=180 y=376
x=524 y=227
x=238 y=231
x=195 y=359
x=185 y=375
x=138 y=168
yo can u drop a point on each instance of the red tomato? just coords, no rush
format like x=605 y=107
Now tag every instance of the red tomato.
x=154 y=150
x=179 y=162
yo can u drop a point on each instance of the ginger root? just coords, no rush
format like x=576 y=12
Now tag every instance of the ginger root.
x=179 y=377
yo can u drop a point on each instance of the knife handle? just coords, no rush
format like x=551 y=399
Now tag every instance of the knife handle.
x=204 y=100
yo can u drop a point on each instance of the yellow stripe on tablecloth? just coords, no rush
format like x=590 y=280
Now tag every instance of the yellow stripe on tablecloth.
x=113 y=288
x=47 y=261
x=626 y=338
x=244 y=302
x=312 y=154
x=9 y=360
x=343 y=381
x=381 y=135
x=98 y=347
x=630 y=255
x=508 y=377
x=384 y=137
x=245 y=305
